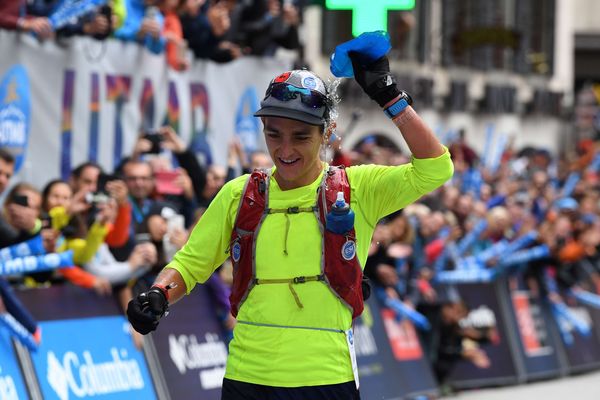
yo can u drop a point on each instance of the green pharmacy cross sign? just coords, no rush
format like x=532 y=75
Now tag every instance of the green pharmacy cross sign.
x=369 y=15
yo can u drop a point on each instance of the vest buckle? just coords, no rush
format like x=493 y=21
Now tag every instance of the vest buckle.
x=299 y=279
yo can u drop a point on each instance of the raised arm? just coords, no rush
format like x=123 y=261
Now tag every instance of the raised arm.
x=380 y=85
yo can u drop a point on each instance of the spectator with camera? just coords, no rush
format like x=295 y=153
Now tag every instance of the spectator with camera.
x=88 y=180
x=172 y=185
x=62 y=234
x=19 y=219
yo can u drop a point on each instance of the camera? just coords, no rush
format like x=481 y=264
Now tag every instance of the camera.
x=156 y=138
x=103 y=179
x=97 y=198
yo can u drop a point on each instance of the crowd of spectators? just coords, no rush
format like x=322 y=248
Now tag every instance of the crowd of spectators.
x=219 y=30
x=554 y=201
x=125 y=225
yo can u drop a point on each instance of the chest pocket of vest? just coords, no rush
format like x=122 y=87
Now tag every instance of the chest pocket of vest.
x=241 y=246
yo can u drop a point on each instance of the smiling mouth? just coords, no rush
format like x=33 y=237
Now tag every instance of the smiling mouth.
x=288 y=161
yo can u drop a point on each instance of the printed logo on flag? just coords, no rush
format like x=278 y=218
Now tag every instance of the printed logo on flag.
x=14 y=113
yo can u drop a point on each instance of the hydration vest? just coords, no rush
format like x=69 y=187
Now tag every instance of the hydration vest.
x=340 y=269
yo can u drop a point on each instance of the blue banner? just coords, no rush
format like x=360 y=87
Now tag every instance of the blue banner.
x=30 y=247
x=91 y=358
x=595 y=164
x=402 y=311
x=466 y=275
x=12 y=385
x=247 y=127
x=525 y=256
x=472 y=236
x=570 y=184
x=493 y=251
x=18 y=331
x=21 y=265
x=487 y=147
x=15 y=113
x=69 y=10
x=587 y=298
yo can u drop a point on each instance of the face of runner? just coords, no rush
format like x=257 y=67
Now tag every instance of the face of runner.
x=294 y=147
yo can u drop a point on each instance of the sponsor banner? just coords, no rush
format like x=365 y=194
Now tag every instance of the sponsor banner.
x=485 y=313
x=14 y=111
x=538 y=346
x=91 y=358
x=191 y=348
x=582 y=350
x=12 y=385
x=389 y=351
x=531 y=327
x=113 y=90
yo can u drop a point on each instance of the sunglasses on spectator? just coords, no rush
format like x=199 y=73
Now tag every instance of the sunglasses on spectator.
x=287 y=92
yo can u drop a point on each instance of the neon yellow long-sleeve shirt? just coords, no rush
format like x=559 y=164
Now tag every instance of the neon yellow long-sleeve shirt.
x=271 y=345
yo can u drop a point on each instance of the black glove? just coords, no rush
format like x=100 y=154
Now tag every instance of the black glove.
x=375 y=78
x=146 y=309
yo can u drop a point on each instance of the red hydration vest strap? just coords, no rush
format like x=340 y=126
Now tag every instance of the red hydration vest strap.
x=339 y=263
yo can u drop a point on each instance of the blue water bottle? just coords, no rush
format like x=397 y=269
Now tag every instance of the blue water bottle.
x=341 y=218
x=369 y=46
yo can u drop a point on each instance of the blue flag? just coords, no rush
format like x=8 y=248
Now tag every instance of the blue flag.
x=21 y=265
x=68 y=10
x=31 y=247
x=17 y=330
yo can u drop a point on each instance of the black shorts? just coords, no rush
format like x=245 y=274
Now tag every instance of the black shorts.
x=236 y=390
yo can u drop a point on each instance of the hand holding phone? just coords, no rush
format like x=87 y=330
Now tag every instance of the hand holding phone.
x=155 y=138
x=166 y=182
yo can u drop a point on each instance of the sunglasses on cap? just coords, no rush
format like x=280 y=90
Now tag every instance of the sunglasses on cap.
x=287 y=92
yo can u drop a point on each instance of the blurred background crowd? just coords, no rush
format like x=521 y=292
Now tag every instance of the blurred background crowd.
x=219 y=30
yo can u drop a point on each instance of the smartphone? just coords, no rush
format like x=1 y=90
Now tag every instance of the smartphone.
x=156 y=138
x=21 y=200
x=176 y=223
x=142 y=238
x=103 y=179
x=165 y=182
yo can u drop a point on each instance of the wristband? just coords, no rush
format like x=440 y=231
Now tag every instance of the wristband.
x=162 y=288
x=404 y=100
